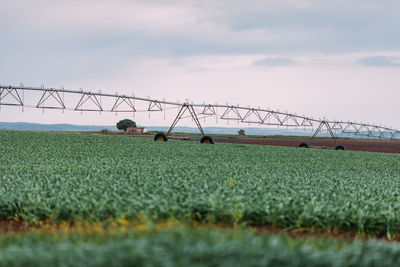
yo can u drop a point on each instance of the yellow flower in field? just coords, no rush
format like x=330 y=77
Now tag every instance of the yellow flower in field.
x=97 y=228
x=211 y=198
x=230 y=181
x=123 y=221
x=238 y=215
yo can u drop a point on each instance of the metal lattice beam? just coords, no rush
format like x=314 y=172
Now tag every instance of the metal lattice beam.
x=52 y=94
x=154 y=105
x=9 y=95
x=10 y=92
x=121 y=100
x=92 y=98
x=232 y=113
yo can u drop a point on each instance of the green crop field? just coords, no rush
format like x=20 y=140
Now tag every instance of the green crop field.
x=56 y=178
x=184 y=246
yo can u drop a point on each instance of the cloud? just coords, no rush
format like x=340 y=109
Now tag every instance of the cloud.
x=274 y=62
x=190 y=48
x=185 y=28
x=380 y=61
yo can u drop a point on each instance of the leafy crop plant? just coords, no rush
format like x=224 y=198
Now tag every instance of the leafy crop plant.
x=57 y=177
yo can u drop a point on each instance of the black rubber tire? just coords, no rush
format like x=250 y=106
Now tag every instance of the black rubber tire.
x=304 y=145
x=340 y=147
x=207 y=140
x=161 y=137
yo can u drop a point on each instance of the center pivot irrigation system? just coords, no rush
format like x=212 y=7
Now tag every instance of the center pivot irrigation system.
x=51 y=98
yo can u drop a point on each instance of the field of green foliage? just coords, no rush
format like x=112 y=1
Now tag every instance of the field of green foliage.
x=91 y=200
x=182 y=246
x=58 y=177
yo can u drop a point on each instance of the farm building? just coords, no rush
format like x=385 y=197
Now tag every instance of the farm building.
x=137 y=130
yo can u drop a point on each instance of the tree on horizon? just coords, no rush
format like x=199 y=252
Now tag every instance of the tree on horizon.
x=125 y=124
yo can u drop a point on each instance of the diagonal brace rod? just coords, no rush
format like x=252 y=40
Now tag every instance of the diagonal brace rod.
x=180 y=115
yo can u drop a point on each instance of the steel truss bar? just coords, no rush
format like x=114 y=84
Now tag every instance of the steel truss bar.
x=87 y=92
x=154 y=105
x=252 y=116
x=234 y=111
x=336 y=125
x=13 y=92
x=50 y=93
x=195 y=118
x=273 y=118
x=290 y=117
x=328 y=127
x=186 y=107
x=306 y=122
x=120 y=100
x=350 y=128
x=375 y=132
x=88 y=96
x=363 y=130
x=209 y=110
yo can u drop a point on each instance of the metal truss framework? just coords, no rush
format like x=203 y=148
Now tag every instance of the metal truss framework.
x=121 y=100
x=11 y=95
x=154 y=105
x=91 y=99
x=186 y=107
x=50 y=94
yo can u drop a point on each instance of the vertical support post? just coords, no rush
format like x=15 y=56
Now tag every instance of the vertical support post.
x=23 y=96
x=195 y=118
x=116 y=107
x=216 y=112
x=177 y=118
x=62 y=88
x=100 y=99
x=134 y=103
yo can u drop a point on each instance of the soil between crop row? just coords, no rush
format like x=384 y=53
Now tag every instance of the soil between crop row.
x=12 y=226
x=370 y=145
x=387 y=146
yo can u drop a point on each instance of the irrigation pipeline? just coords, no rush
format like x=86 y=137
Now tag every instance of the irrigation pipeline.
x=11 y=96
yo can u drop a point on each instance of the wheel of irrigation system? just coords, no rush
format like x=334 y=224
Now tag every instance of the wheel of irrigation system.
x=206 y=140
x=304 y=145
x=160 y=137
x=340 y=147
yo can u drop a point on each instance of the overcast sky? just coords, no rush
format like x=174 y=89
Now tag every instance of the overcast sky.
x=338 y=59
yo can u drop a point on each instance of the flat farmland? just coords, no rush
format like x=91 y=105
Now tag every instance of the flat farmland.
x=82 y=184
x=370 y=145
x=353 y=144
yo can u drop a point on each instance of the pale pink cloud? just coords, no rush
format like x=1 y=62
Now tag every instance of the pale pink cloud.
x=206 y=51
